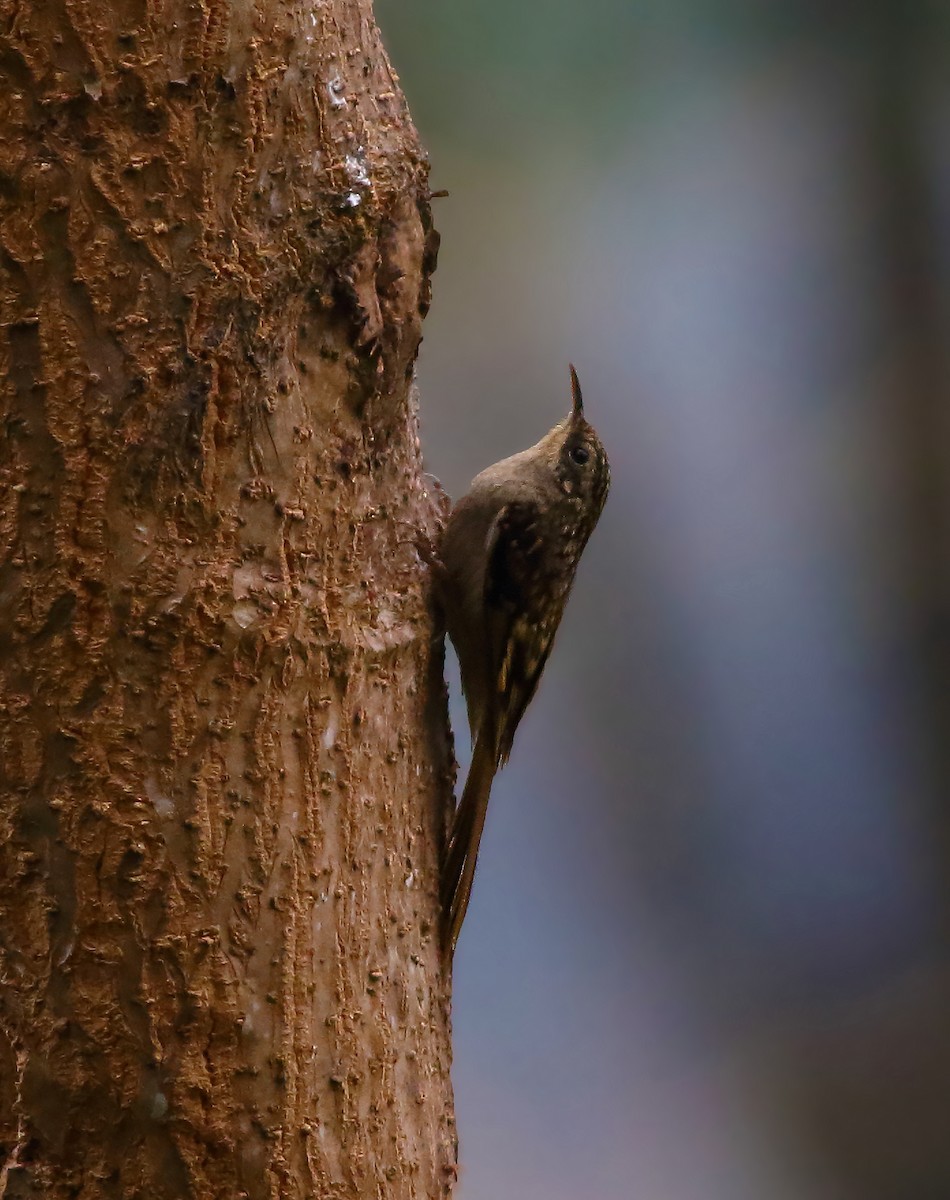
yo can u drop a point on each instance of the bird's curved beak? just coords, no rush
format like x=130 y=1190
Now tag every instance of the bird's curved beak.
x=577 y=408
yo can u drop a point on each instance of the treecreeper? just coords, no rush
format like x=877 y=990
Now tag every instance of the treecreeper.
x=509 y=554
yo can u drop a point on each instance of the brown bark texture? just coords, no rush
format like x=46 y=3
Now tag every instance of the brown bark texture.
x=224 y=761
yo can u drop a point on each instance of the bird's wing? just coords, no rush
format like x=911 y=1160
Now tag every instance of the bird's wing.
x=522 y=614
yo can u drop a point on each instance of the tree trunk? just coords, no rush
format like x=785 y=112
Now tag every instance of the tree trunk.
x=224 y=763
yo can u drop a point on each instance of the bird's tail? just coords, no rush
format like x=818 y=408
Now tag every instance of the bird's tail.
x=466 y=833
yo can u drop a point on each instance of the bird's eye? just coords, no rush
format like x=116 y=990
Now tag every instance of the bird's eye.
x=580 y=455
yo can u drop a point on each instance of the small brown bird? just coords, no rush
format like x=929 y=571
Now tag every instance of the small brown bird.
x=509 y=554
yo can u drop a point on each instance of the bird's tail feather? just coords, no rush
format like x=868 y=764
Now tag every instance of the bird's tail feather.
x=466 y=834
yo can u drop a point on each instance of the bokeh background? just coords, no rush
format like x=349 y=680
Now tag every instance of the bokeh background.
x=707 y=954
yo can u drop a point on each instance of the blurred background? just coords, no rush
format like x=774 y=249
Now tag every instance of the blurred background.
x=708 y=953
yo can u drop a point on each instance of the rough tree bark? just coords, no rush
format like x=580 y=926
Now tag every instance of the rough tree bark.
x=223 y=752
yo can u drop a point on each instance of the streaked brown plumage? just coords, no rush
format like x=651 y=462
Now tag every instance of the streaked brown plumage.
x=509 y=552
